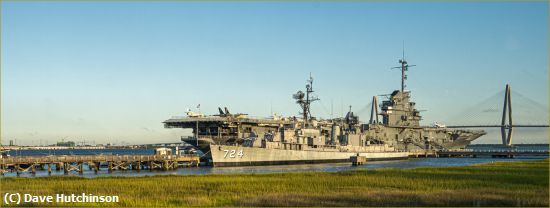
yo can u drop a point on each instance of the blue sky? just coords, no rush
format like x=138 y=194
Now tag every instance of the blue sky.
x=112 y=72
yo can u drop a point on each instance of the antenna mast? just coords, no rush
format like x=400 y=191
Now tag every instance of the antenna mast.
x=305 y=100
x=404 y=67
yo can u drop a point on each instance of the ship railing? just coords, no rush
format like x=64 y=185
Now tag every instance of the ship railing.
x=244 y=117
x=178 y=117
x=187 y=155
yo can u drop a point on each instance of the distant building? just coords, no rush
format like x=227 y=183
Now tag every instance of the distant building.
x=66 y=144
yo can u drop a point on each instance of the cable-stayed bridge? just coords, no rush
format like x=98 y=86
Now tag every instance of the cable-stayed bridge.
x=530 y=113
x=505 y=110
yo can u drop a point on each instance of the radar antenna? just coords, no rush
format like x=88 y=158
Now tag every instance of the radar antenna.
x=404 y=67
x=305 y=100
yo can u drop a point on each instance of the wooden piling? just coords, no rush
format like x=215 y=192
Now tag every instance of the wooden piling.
x=96 y=168
x=165 y=165
x=17 y=169
x=80 y=168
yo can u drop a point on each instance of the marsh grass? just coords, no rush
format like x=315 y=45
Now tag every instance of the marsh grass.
x=496 y=184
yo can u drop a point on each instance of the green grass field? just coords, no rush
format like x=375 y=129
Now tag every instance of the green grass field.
x=496 y=184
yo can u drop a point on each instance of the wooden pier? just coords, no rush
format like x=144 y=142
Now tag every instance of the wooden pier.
x=76 y=163
x=423 y=153
x=492 y=153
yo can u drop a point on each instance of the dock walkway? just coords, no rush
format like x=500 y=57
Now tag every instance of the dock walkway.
x=69 y=163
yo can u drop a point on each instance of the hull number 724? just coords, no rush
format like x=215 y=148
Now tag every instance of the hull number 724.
x=233 y=154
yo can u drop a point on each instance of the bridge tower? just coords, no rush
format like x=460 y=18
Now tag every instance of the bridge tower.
x=507 y=136
x=374 y=111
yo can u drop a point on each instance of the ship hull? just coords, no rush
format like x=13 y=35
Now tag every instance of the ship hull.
x=465 y=139
x=223 y=155
x=426 y=138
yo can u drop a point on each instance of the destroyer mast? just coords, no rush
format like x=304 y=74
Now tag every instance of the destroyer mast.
x=305 y=100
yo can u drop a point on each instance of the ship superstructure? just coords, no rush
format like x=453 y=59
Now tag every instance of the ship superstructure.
x=401 y=127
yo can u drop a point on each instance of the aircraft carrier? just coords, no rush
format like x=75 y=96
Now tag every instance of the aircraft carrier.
x=237 y=139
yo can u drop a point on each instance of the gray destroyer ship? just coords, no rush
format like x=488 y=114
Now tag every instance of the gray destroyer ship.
x=238 y=139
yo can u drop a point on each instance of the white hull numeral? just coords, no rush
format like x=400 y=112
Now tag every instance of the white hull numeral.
x=233 y=154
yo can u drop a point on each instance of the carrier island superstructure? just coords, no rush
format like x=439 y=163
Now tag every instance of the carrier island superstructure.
x=237 y=139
